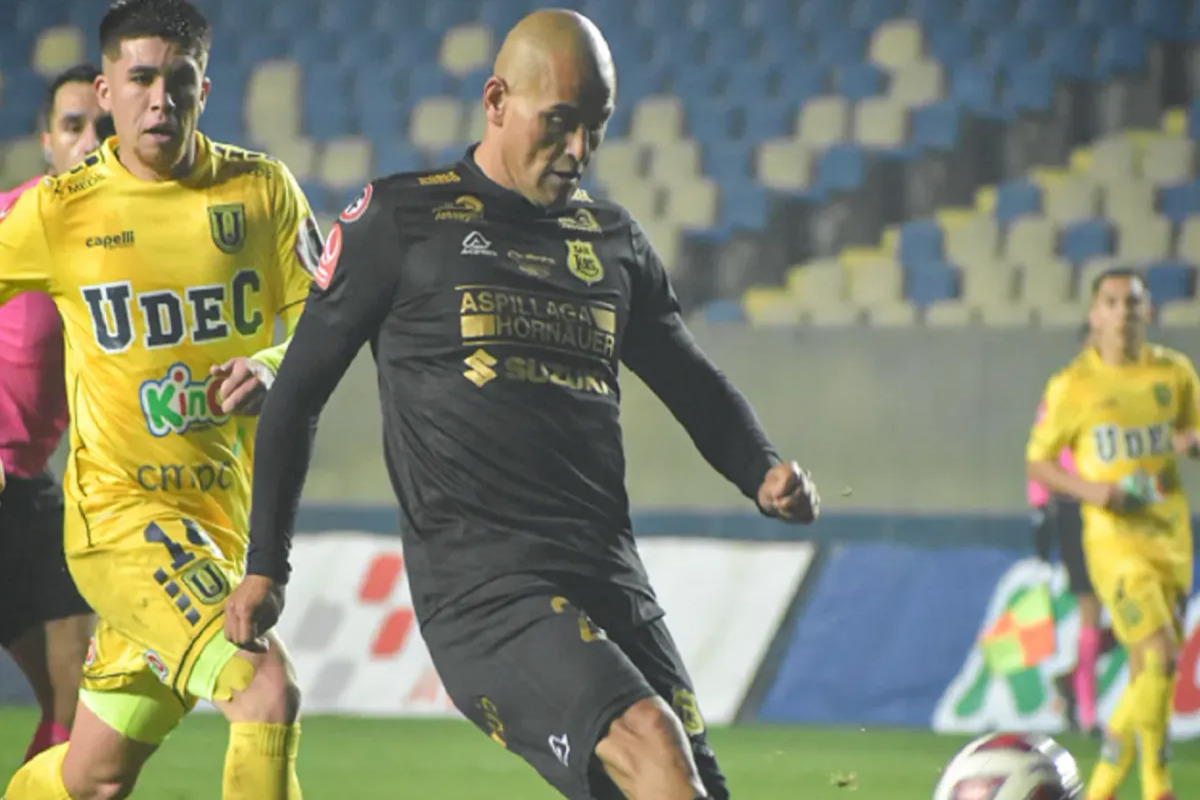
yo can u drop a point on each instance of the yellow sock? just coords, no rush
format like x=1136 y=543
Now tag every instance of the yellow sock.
x=260 y=763
x=41 y=778
x=1118 y=752
x=1151 y=719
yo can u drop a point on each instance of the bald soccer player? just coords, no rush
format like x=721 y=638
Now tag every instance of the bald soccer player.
x=499 y=301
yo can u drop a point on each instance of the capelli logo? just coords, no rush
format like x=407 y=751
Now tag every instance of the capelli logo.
x=122 y=239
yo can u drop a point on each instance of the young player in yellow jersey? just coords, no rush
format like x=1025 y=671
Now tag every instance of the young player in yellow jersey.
x=1128 y=411
x=169 y=258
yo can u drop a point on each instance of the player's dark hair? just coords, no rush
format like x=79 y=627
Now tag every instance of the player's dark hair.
x=80 y=73
x=1115 y=272
x=176 y=21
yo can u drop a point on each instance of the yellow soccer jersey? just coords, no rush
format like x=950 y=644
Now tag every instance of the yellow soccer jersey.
x=1118 y=420
x=157 y=282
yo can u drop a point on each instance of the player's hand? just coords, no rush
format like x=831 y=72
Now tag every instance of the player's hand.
x=788 y=493
x=251 y=610
x=244 y=385
x=1186 y=443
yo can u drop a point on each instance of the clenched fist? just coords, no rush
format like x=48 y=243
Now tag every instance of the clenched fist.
x=788 y=493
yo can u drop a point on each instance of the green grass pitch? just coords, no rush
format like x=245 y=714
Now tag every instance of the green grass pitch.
x=381 y=759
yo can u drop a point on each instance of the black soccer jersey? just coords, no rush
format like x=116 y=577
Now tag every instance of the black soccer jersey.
x=498 y=328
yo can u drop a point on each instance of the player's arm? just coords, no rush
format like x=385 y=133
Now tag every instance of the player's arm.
x=1054 y=429
x=26 y=259
x=1186 y=438
x=350 y=297
x=661 y=350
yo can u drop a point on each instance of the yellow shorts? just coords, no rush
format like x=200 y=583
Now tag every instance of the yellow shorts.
x=159 y=593
x=1143 y=596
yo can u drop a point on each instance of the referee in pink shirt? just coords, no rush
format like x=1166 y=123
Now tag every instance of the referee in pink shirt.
x=44 y=624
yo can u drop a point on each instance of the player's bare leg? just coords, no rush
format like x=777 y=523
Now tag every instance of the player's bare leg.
x=66 y=649
x=264 y=732
x=647 y=755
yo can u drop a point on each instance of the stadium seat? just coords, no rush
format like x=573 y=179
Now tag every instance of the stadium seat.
x=1070 y=198
x=872 y=285
x=1008 y=46
x=858 y=81
x=895 y=43
x=619 y=161
x=765 y=306
x=1016 y=198
x=668 y=161
x=273 y=101
x=728 y=163
x=900 y=314
x=1045 y=283
x=1188 y=245
x=1170 y=281
x=1045 y=13
x=1168 y=159
x=949 y=314
x=1090 y=271
x=1029 y=87
x=299 y=154
x=951 y=46
x=1180 y=201
x=657 y=119
x=57 y=49
x=917 y=84
x=930 y=283
x=1131 y=200
x=975 y=87
x=987 y=14
x=1103 y=12
x=1068 y=50
x=436 y=122
x=880 y=122
x=345 y=163
x=823 y=122
x=784 y=164
x=1147 y=239
x=395 y=155
x=1114 y=160
x=1121 y=50
x=742 y=208
x=466 y=48
x=989 y=284
x=839 y=46
x=935 y=126
x=920 y=243
x=817 y=285
x=1086 y=239
x=1030 y=240
x=976 y=242
x=842 y=168
x=692 y=203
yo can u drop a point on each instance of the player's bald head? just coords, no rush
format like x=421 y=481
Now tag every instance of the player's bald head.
x=553 y=46
x=547 y=102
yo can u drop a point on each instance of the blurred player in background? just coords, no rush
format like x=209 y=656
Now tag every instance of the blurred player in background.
x=1058 y=520
x=499 y=300
x=44 y=623
x=169 y=257
x=1128 y=410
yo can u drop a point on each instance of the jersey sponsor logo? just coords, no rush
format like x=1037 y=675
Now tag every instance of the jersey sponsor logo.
x=439 y=178
x=532 y=264
x=122 y=239
x=480 y=365
x=581 y=196
x=201 y=477
x=580 y=220
x=227 y=224
x=583 y=262
x=547 y=373
x=329 y=257
x=1113 y=442
x=308 y=245
x=155 y=662
x=162 y=312
x=359 y=207
x=177 y=404
x=465 y=208
x=476 y=244
x=505 y=316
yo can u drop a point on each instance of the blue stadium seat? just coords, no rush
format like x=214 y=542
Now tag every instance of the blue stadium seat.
x=32 y=18
x=315 y=47
x=1046 y=13
x=395 y=155
x=633 y=46
x=1180 y=201
x=724 y=311
x=757 y=120
x=86 y=16
x=842 y=168
x=841 y=46
x=709 y=123
x=746 y=80
x=872 y=13
x=857 y=81
x=661 y=16
x=429 y=80
x=1029 y=87
x=934 y=14
x=920 y=243
x=1069 y=52
x=328 y=110
x=727 y=47
x=1016 y=198
x=952 y=45
x=935 y=126
x=1104 y=12
x=384 y=122
x=647 y=79
x=1009 y=46
x=975 y=87
x=1169 y=281
x=1121 y=50
x=1087 y=239
x=717 y=16
x=15 y=50
x=742 y=207
x=1162 y=19
x=20 y=98
x=618 y=123
x=987 y=14
x=800 y=81
x=693 y=83
x=1193 y=120
x=446 y=14
x=500 y=17
x=470 y=86
x=728 y=163
x=930 y=283
x=295 y=15
x=768 y=14
x=318 y=196
x=822 y=15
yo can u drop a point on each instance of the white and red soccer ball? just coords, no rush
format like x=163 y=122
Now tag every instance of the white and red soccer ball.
x=1011 y=766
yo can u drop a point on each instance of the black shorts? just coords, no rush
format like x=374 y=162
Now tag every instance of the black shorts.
x=1066 y=519
x=544 y=670
x=35 y=585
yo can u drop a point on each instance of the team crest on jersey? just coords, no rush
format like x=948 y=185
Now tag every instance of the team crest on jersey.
x=684 y=703
x=359 y=206
x=227 y=223
x=1162 y=394
x=583 y=262
x=156 y=665
x=176 y=403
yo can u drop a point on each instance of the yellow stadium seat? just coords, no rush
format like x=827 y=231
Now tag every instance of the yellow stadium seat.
x=1184 y=314
x=900 y=314
x=770 y=306
x=658 y=118
x=954 y=217
x=949 y=314
x=1174 y=122
x=466 y=48
x=784 y=164
x=985 y=199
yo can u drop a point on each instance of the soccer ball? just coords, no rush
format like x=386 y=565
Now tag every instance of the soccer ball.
x=1011 y=766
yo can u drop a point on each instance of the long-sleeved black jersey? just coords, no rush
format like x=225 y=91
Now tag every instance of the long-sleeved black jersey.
x=497 y=328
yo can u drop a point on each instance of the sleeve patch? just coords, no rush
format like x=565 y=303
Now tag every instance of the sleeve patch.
x=359 y=207
x=327 y=263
